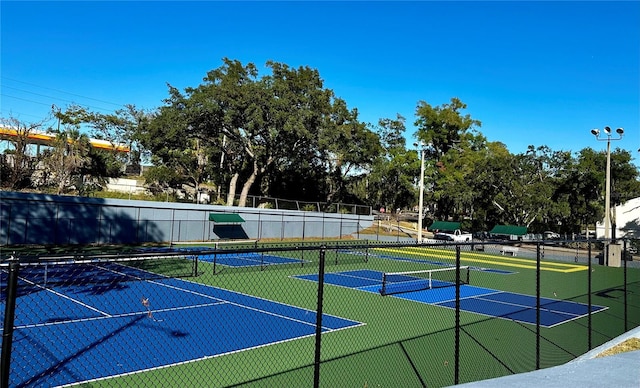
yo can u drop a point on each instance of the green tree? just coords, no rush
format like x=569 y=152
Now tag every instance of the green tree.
x=179 y=152
x=120 y=129
x=592 y=169
x=443 y=126
x=18 y=164
x=65 y=160
x=100 y=164
x=253 y=126
x=450 y=138
x=391 y=182
x=348 y=149
x=579 y=188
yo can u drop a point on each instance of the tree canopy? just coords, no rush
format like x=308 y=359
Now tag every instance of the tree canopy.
x=284 y=134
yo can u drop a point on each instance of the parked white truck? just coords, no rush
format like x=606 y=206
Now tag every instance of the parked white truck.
x=453 y=235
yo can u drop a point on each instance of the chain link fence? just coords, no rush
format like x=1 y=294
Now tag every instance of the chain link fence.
x=319 y=313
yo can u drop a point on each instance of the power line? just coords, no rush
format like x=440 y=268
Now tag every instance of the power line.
x=62 y=91
x=50 y=97
x=24 y=99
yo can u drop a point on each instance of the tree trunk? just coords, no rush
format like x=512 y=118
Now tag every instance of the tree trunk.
x=247 y=185
x=232 y=189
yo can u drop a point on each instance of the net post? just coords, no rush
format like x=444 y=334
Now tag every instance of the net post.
x=215 y=258
x=9 y=319
x=366 y=252
x=383 y=289
x=195 y=264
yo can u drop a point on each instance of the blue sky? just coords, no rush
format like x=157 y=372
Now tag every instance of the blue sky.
x=534 y=73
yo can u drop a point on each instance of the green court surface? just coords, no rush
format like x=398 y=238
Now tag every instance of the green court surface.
x=403 y=342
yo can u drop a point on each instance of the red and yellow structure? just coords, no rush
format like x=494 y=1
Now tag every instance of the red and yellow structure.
x=43 y=138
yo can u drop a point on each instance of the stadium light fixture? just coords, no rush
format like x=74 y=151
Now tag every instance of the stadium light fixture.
x=607 y=198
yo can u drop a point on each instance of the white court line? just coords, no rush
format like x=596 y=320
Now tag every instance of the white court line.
x=67 y=297
x=541 y=306
x=222 y=301
x=256 y=309
x=358 y=277
x=144 y=312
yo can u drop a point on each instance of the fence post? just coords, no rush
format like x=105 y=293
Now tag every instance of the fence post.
x=316 y=372
x=626 y=304
x=9 y=316
x=589 y=293
x=457 y=330
x=538 y=259
x=215 y=258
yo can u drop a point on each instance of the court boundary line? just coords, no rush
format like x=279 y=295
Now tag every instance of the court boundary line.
x=64 y=296
x=603 y=308
x=523 y=322
x=534 y=307
x=250 y=296
x=325 y=329
x=354 y=276
x=221 y=301
x=123 y=315
x=197 y=359
x=258 y=263
x=491 y=292
x=490 y=259
x=575 y=316
x=316 y=281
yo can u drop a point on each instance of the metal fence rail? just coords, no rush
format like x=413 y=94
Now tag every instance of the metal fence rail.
x=307 y=314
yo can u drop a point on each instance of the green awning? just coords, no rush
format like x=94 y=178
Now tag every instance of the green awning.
x=509 y=229
x=444 y=225
x=225 y=218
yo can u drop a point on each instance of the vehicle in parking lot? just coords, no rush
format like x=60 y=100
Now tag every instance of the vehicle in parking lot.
x=453 y=235
x=548 y=235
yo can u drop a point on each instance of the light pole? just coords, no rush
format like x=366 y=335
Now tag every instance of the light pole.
x=420 y=200
x=607 y=198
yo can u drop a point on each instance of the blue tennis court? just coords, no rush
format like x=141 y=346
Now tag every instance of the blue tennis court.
x=373 y=253
x=99 y=331
x=478 y=300
x=238 y=259
x=249 y=259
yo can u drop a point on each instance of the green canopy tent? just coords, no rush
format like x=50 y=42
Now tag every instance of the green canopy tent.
x=228 y=226
x=444 y=225
x=225 y=218
x=509 y=230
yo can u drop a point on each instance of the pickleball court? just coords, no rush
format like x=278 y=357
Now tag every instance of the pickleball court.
x=101 y=329
x=478 y=300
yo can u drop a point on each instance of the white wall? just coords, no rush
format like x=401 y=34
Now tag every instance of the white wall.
x=627 y=219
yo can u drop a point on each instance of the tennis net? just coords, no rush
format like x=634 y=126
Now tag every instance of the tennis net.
x=76 y=271
x=400 y=282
